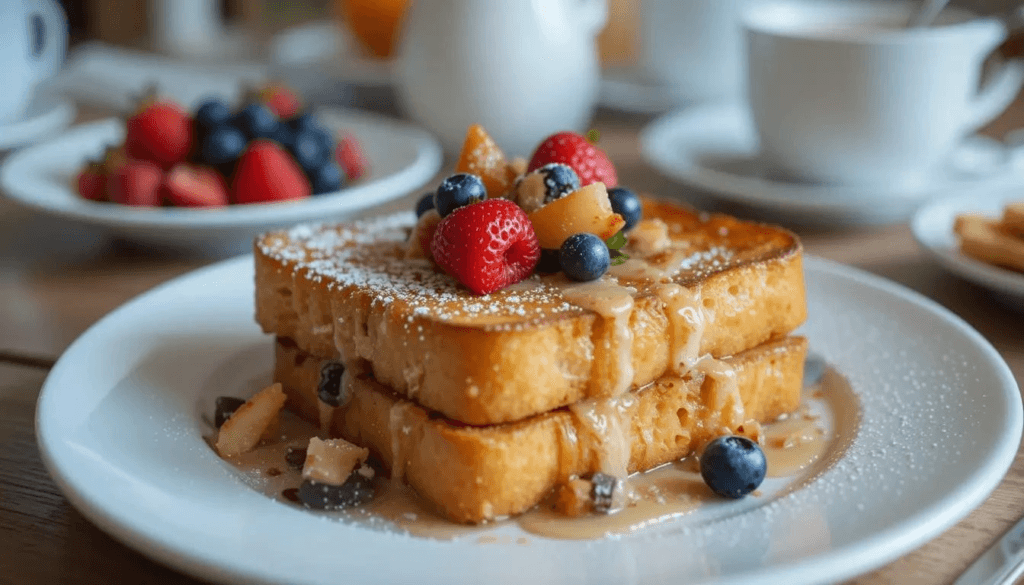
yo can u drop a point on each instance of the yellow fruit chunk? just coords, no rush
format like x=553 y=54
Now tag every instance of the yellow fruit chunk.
x=481 y=156
x=584 y=210
x=244 y=429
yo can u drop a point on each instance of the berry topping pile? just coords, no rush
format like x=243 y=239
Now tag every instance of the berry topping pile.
x=267 y=150
x=495 y=222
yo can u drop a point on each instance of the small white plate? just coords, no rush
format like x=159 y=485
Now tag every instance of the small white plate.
x=714 y=149
x=120 y=420
x=933 y=229
x=402 y=158
x=45 y=115
x=631 y=89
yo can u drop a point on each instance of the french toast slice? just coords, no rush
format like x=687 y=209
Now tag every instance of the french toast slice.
x=698 y=284
x=986 y=239
x=472 y=474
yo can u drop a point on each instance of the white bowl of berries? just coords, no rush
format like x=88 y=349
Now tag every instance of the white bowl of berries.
x=212 y=179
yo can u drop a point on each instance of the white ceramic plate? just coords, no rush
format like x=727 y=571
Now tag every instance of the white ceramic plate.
x=714 y=149
x=46 y=115
x=402 y=158
x=120 y=417
x=933 y=229
x=630 y=89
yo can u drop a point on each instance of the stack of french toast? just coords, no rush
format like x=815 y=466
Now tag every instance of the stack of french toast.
x=487 y=404
x=998 y=241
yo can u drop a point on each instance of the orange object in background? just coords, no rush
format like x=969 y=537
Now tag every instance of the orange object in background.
x=374 y=22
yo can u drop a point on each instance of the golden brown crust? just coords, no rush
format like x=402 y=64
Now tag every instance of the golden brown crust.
x=472 y=474
x=348 y=292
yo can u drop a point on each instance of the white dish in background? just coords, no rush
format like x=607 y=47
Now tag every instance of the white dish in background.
x=120 y=419
x=631 y=89
x=933 y=229
x=402 y=158
x=45 y=115
x=714 y=149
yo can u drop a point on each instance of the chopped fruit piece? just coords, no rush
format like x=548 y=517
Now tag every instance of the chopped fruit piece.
x=585 y=210
x=212 y=113
x=222 y=145
x=280 y=99
x=425 y=204
x=329 y=390
x=650 y=237
x=481 y=156
x=135 y=182
x=356 y=491
x=589 y=162
x=326 y=179
x=225 y=407
x=627 y=204
x=257 y=121
x=92 y=182
x=186 y=185
x=458 y=191
x=350 y=157
x=544 y=185
x=486 y=246
x=161 y=132
x=422 y=235
x=331 y=461
x=733 y=466
x=584 y=257
x=267 y=173
x=573 y=498
x=244 y=429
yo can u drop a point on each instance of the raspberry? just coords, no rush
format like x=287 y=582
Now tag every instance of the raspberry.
x=486 y=246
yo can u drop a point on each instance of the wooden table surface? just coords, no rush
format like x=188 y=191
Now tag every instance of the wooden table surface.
x=57 y=279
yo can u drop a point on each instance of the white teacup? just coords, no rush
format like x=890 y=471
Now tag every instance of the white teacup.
x=33 y=39
x=694 y=48
x=841 y=93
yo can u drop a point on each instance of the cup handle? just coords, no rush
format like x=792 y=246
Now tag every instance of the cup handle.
x=593 y=14
x=55 y=39
x=997 y=94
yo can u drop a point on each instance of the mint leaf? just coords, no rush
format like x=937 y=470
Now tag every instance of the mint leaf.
x=617 y=241
x=593 y=136
x=617 y=257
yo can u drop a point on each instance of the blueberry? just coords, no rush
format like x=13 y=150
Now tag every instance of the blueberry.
x=295 y=457
x=225 y=407
x=309 y=151
x=458 y=191
x=733 y=466
x=222 y=145
x=329 y=389
x=559 y=181
x=425 y=204
x=212 y=113
x=356 y=490
x=627 y=204
x=304 y=121
x=257 y=121
x=602 y=491
x=584 y=257
x=327 y=178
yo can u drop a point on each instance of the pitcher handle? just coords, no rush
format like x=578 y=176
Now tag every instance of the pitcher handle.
x=593 y=14
x=54 y=38
x=997 y=94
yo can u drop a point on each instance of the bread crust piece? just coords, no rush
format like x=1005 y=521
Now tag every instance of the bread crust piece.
x=472 y=474
x=348 y=292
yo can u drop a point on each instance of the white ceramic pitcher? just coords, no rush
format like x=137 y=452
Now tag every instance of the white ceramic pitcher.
x=523 y=69
x=33 y=39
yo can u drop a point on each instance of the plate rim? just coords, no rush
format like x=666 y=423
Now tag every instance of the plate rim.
x=857 y=557
x=425 y=164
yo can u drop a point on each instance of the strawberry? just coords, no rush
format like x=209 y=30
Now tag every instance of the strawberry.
x=486 y=246
x=92 y=182
x=160 y=132
x=267 y=173
x=349 y=154
x=188 y=185
x=135 y=182
x=280 y=99
x=589 y=162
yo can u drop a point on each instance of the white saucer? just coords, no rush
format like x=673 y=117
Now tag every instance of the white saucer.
x=714 y=149
x=401 y=159
x=45 y=115
x=933 y=229
x=120 y=424
x=631 y=89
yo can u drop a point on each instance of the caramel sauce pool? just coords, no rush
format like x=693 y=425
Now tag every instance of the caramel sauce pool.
x=796 y=447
